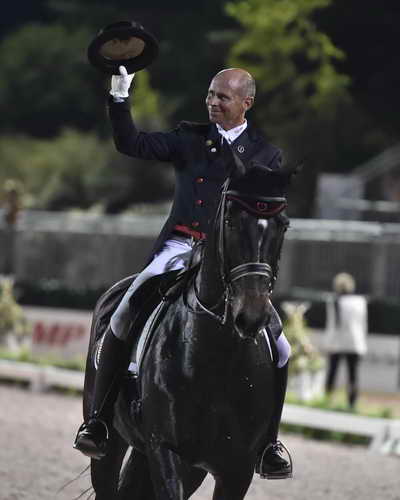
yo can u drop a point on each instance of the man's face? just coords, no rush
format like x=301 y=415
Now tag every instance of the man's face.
x=226 y=102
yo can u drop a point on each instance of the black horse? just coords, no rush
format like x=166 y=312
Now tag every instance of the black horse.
x=204 y=396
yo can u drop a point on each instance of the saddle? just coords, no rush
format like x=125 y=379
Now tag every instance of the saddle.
x=154 y=295
x=148 y=306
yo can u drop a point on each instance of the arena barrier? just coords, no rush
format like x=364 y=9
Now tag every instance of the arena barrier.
x=97 y=250
x=64 y=334
x=384 y=433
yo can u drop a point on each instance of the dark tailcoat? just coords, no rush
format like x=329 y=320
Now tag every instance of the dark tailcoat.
x=201 y=163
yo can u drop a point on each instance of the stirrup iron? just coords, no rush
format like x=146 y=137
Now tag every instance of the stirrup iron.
x=280 y=447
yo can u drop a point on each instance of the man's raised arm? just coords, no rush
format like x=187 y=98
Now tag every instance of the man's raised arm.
x=128 y=139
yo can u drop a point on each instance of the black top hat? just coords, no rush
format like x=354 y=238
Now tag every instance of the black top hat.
x=125 y=43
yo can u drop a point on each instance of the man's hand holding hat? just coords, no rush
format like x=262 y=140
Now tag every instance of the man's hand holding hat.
x=120 y=84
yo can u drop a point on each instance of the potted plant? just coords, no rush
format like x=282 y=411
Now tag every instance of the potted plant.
x=14 y=328
x=306 y=374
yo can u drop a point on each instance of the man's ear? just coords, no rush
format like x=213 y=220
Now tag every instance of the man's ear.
x=248 y=102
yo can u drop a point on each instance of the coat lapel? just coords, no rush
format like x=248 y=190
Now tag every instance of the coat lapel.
x=248 y=144
x=252 y=146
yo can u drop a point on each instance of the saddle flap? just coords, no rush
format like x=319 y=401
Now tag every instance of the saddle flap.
x=148 y=304
x=150 y=293
x=144 y=336
x=107 y=304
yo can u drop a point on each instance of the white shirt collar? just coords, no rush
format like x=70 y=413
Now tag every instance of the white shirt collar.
x=233 y=133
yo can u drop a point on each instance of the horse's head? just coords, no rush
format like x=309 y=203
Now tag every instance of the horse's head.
x=251 y=228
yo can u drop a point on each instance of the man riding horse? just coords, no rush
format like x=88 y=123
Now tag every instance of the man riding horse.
x=199 y=179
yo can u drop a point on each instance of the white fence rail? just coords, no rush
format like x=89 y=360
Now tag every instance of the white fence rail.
x=41 y=377
x=384 y=433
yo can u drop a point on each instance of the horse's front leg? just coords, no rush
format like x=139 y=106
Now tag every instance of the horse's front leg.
x=135 y=480
x=105 y=472
x=173 y=478
x=233 y=484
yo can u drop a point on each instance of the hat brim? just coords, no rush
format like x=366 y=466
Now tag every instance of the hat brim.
x=128 y=45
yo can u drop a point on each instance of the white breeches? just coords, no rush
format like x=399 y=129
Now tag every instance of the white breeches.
x=174 y=255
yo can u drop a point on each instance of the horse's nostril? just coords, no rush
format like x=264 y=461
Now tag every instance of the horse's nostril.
x=240 y=321
x=249 y=326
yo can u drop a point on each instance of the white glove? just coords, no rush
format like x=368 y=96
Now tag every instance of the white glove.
x=120 y=83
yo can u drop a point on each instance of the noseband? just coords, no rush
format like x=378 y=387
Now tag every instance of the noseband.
x=229 y=276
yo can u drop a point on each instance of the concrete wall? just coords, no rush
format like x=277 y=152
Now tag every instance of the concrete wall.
x=86 y=251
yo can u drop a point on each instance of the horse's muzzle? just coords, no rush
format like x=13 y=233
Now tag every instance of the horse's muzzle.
x=250 y=318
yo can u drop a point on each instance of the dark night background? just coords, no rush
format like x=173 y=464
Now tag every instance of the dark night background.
x=47 y=87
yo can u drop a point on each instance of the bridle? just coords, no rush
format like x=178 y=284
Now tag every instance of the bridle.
x=229 y=276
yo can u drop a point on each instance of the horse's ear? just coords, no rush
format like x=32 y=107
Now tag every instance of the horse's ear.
x=291 y=169
x=284 y=173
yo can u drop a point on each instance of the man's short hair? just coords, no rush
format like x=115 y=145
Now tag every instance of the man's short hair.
x=250 y=86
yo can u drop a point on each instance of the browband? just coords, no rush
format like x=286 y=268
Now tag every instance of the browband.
x=262 y=203
x=240 y=194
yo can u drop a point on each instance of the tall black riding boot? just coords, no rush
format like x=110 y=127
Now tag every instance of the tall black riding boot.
x=270 y=463
x=92 y=435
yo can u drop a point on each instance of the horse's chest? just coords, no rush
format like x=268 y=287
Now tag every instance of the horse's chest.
x=228 y=422
x=203 y=402
x=235 y=408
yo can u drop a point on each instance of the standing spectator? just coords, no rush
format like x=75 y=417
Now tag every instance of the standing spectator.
x=346 y=332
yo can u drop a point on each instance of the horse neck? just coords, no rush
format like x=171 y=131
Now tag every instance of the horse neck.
x=209 y=280
x=212 y=340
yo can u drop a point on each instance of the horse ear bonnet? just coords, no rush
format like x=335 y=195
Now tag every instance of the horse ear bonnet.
x=263 y=181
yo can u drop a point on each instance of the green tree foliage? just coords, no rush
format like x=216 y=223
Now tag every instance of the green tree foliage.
x=77 y=169
x=194 y=40
x=45 y=82
x=54 y=137
x=303 y=102
x=56 y=173
x=147 y=105
x=326 y=73
x=286 y=52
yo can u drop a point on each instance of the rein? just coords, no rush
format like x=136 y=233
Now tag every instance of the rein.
x=228 y=276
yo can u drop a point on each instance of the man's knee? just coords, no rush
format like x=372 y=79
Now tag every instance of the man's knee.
x=275 y=324
x=284 y=350
x=119 y=321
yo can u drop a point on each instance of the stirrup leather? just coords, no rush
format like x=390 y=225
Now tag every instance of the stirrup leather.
x=279 y=447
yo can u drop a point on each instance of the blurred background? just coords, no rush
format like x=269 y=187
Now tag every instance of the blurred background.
x=327 y=74
x=76 y=216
